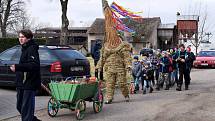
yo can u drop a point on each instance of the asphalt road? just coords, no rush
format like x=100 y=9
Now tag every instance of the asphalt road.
x=196 y=104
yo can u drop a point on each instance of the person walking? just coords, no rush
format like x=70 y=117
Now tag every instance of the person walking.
x=115 y=59
x=28 y=78
x=96 y=56
x=183 y=59
x=164 y=72
x=192 y=58
x=136 y=72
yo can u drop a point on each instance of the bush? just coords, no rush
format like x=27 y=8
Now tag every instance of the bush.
x=6 y=43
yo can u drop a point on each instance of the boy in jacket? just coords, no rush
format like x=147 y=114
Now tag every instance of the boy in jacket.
x=163 y=71
x=28 y=78
x=136 y=72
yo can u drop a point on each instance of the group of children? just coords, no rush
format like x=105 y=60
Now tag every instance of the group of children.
x=161 y=69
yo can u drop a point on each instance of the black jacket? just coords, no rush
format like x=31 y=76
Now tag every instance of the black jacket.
x=96 y=51
x=28 y=69
x=184 y=55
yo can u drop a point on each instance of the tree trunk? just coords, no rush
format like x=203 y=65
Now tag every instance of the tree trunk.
x=4 y=19
x=197 y=42
x=3 y=31
x=65 y=23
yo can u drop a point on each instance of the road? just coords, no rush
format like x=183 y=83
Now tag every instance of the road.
x=196 y=104
x=8 y=103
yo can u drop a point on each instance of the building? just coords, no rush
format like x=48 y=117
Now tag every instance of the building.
x=167 y=36
x=146 y=32
x=77 y=37
x=187 y=27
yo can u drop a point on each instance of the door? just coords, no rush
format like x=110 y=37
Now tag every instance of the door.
x=5 y=72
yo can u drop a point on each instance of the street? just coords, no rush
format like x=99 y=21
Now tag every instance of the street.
x=196 y=104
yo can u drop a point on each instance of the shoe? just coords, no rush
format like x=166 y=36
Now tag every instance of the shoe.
x=36 y=119
x=151 y=90
x=186 y=87
x=127 y=99
x=178 y=88
x=108 y=102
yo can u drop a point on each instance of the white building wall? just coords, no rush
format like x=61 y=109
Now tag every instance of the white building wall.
x=93 y=37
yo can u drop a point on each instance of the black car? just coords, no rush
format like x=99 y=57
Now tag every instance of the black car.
x=146 y=51
x=56 y=62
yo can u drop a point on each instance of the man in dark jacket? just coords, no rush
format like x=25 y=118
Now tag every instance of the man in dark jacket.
x=183 y=59
x=96 y=56
x=28 y=78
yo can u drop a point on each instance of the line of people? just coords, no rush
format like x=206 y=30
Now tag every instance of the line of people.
x=162 y=69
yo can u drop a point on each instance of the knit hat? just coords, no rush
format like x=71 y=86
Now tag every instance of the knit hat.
x=188 y=49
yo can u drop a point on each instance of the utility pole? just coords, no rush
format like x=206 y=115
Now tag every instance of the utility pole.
x=208 y=35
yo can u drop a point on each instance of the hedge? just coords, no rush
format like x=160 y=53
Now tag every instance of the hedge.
x=6 y=43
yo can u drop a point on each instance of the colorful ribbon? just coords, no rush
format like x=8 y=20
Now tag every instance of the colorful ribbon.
x=117 y=12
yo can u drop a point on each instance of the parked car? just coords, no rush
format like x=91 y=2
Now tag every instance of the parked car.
x=56 y=62
x=146 y=51
x=205 y=58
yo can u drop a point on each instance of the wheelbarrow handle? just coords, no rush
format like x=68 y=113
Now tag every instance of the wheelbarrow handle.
x=46 y=88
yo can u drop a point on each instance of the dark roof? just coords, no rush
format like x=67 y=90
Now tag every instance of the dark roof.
x=97 y=27
x=59 y=29
x=142 y=26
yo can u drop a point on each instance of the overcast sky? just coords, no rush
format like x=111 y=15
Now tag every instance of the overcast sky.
x=86 y=11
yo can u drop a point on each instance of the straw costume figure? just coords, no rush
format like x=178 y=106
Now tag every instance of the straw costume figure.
x=115 y=58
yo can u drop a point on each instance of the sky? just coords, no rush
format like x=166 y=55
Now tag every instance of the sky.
x=84 y=12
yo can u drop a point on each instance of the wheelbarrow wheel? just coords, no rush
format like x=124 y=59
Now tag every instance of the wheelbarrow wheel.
x=52 y=107
x=80 y=109
x=98 y=102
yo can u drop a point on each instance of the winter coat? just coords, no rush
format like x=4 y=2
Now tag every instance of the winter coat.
x=136 y=69
x=28 y=70
x=186 y=56
x=164 y=68
x=174 y=62
x=192 y=57
x=96 y=51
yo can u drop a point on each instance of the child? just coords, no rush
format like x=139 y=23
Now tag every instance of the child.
x=136 y=72
x=147 y=75
x=163 y=71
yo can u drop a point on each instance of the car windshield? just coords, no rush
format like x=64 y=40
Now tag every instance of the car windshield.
x=66 y=54
x=206 y=54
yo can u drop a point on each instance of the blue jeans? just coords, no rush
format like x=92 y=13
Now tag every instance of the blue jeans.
x=136 y=83
x=26 y=104
x=175 y=75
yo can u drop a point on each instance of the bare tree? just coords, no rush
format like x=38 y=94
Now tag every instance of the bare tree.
x=65 y=23
x=10 y=12
x=203 y=27
x=23 y=22
x=200 y=34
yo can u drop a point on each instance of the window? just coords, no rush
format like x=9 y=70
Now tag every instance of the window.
x=7 y=55
x=207 y=53
x=67 y=54
x=45 y=55
x=17 y=55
